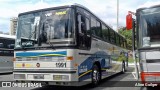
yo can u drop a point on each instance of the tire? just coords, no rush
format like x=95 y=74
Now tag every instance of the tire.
x=123 y=67
x=96 y=75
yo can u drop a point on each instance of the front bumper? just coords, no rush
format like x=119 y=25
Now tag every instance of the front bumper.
x=150 y=77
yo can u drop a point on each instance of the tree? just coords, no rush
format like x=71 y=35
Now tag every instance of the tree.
x=128 y=35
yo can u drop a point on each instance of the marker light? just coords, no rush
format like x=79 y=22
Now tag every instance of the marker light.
x=69 y=58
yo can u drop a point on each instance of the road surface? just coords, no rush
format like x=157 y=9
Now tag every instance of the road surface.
x=118 y=82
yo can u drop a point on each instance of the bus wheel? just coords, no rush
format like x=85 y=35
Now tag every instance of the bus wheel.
x=123 y=67
x=96 y=75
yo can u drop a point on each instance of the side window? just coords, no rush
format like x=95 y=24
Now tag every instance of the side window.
x=112 y=36
x=83 y=24
x=105 y=32
x=88 y=26
x=98 y=29
x=79 y=23
x=11 y=46
x=1 y=45
x=117 y=40
x=124 y=43
x=93 y=26
x=121 y=40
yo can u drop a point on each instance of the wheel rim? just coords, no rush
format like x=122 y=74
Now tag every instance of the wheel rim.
x=96 y=76
x=123 y=69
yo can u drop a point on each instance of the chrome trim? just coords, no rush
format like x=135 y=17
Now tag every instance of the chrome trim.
x=45 y=70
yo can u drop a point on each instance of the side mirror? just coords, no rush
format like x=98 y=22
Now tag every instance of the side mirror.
x=129 y=21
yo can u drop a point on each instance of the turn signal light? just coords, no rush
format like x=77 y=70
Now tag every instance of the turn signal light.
x=13 y=59
x=70 y=58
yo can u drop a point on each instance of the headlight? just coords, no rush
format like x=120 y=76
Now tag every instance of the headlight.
x=19 y=76
x=146 y=41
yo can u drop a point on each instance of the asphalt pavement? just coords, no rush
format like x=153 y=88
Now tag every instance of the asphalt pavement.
x=119 y=81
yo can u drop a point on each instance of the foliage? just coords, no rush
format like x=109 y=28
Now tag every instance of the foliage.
x=128 y=35
x=122 y=57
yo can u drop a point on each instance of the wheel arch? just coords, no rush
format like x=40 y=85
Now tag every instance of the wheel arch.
x=99 y=65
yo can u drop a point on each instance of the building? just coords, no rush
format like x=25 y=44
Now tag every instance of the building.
x=13 y=25
x=1 y=32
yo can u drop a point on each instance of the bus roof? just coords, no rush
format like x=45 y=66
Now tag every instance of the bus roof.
x=147 y=7
x=7 y=36
x=54 y=7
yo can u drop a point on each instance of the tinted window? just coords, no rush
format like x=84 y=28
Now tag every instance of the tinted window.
x=105 y=32
x=124 y=43
x=117 y=40
x=151 y=24
x=6 y=47
x=121 y=41
x=1 y=45
x=98 y=29
x=88 y=25
x=11 y=46
x=112 y=36
x=93 y=26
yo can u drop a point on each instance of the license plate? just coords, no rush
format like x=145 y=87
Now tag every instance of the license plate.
x=38 y=76
x=56 y=77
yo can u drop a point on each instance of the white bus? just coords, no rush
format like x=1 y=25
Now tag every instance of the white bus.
x=6 y=53
x=147 y=35
x=66 y=44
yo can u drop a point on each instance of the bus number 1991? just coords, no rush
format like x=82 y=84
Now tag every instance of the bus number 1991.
x=61 y=64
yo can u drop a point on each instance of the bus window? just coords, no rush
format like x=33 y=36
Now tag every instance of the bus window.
x=112 y=36
x=98 y=29
x=88 y=26
x=105 y=32
x=83 y=28
x=124 y=43
x=11 y=46
x=93 y=26
x=117 y=40
x=121 y=41
x=1 y=45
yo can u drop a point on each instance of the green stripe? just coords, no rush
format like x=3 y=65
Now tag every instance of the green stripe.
x=52 y=55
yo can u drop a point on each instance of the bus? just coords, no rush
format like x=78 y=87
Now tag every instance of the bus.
x=147 y=37
x=66 y=45
x=6 y=53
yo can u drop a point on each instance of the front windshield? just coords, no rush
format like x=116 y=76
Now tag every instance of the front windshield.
x=149 y=27
x=50 y=26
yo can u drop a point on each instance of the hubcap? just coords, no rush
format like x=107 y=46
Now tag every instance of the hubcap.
x=95 y=76
x=123 y=69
